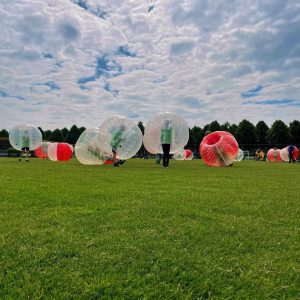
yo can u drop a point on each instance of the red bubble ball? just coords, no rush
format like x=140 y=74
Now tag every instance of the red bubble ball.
x=219 y=149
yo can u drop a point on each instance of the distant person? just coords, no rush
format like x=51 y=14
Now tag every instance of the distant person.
x=115 y=144
x=259 y=154
x=158 y=158
x=166 y=141
x=291 y=149
x=25 y=146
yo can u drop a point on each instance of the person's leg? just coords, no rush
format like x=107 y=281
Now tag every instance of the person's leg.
x=20 y=157
x=168 y=146
x=115 y=161
x=27 y=154
x=165 y=154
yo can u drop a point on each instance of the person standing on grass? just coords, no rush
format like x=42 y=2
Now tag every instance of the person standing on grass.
x=166 y=141
x=25 y=146
x=115 y=143
x=291 y=149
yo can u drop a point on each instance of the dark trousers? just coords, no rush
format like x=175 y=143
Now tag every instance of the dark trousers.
x=166 y=156
x=291 y=158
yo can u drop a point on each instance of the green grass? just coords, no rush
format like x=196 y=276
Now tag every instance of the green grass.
x=69 y=231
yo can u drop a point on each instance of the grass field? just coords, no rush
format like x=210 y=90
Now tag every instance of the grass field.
x=69 y=231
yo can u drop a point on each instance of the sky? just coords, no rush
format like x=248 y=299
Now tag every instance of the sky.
x=65 y=62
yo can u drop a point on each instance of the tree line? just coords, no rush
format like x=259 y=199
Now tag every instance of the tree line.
x=248 y=135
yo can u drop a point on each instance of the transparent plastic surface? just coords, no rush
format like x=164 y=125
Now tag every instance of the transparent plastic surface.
x=23 y=136
x=89 y=147
x=219 y=149
x=124 y=137
x=166 y=128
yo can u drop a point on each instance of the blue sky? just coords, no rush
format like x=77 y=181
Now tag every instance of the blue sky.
x=82 y=61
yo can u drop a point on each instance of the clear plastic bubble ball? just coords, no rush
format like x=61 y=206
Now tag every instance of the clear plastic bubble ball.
x=219 y=149
x=23 y=136
x=89 y=147
x=42 y=150
x=189 y=155
x=240 y=155
x=180 y=155
x=125 y=137
x=60 y=151
x=284 y=153
x=166 y=128
x=273 y=155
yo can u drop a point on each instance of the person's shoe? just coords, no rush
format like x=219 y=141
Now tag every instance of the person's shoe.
x=27 y=160
x=121 y=162
x=116 y=165
x=19 y=159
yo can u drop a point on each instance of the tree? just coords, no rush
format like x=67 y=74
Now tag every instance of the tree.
x=65 y=132
x=233 y=129
x=4 y=133
x=214 y=126
x=279 y=135
x=56 y=136
x=142 y=150
x=82 y=129
x=194 y=138
x=141 y=126
x=47 y=134
x=261 y=130
x=245 y=134
x=225 y=126
x=42 y=131
x=73 y=135
x=295 y=132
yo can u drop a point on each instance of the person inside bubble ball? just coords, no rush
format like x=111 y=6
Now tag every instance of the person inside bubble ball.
x=166 y=141
x=291 y=151
x=115 y=143
x=25 y=146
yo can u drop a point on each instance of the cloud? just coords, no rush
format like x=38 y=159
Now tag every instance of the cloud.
x=80 y=61
x=276 y=102
x=252 y=92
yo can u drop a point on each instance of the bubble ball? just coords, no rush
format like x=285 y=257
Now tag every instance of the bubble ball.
x=274 y=155
x=42 y=150
x=59 y=151
x=148 y=147
x=168 y=126
x=219 y=149
x=284 y=153
x=240 y=155
x=25 y=136
x=88 y=147
x=189 y=154
x=124 y=136
x=180 y=155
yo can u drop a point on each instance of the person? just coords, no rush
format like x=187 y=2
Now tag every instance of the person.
x=291 y=149
x=25 y=146
x=115 y=143
x=166 y=141
x=259 y=154
x=158 y=158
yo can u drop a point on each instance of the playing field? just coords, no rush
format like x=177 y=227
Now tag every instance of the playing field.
x=69 y=231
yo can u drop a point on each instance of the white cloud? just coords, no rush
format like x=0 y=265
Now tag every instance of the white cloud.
x=62 y=63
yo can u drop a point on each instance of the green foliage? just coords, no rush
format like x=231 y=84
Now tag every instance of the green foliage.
x=279 y=134
x=245 y=133
x=295 y=132
x=73 y=135
x=65 y=132
x=3 y=133
x=261 y=131
x=214 y=126
x=56 y=136
x=70 y=231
